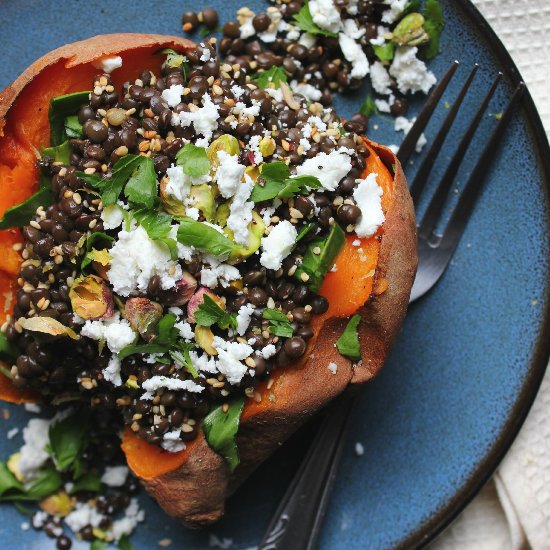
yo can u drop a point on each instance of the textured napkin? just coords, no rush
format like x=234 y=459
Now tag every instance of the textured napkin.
x=513 y=511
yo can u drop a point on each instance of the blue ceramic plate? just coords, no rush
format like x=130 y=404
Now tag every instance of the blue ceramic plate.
x=441 y=415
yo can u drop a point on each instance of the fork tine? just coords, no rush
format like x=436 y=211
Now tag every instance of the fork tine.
x=438 y=200
x=427 y=164
x=409 y=143
x=460 y=215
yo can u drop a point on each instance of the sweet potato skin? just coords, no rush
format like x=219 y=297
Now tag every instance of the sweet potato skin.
x=195 y=493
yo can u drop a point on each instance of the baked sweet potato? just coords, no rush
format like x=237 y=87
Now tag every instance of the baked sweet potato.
x=374 y=280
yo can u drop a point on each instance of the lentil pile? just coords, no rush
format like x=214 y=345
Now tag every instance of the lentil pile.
x=159 y=299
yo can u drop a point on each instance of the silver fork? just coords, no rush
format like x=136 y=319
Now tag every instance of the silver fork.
x=297 y=522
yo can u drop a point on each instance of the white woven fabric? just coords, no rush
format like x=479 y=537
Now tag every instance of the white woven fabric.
x=513 y=510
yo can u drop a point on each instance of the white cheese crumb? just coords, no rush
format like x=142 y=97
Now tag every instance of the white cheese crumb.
x=268 y=351
x=333 y=367
x=33 y=408
x=33 y=452
x=325 y=15
x=204 y=120
x=108 y=64
x=82 y=515
x=221 y=274
x=353 y=52
x=278 y=244
x=204 y=362
x=25 y=526
x=382 y=105
x=12 y=433
x=135 y=258
x=411 y=73
x=307 y=90
x=206 y=55
x=380 y=79
x=359 y=449
x=240 y=212
x=396 y=8
x=116 y=332
x=156 y=382
x=126 y=525
x=172 y=95
x=229 y=174
x=368 y=197
x=243 y=318
x=112 y=216
x=216 y=542
x=230 y=355
x=39 y=518
x=115 y=476
x=112 y=372
x=185 y=330
x=329 y=169
x=404 y=124
x=171 y=442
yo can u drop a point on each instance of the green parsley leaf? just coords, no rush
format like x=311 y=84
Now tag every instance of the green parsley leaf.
x=278 y=322
x=385 y=52
x=274 y=75
x=194 y=161
x=95 y=240
x=98 y=545
x=8 y=480
x=368 y=107
x=209 y=313
x=181 y=356
x=47 y=483
x=316 y=266
x=141 y=188
x=73 y=128
x=304 y=231
x=348 y=344
x=434 y=23
x=21 y=214
x=88 y=482
x=205 y=238
x=68 y=439
x=60 y=108
x=125 y=544
x=157 y=224
x=304 y=21
x=220 y=429
x=60 y=153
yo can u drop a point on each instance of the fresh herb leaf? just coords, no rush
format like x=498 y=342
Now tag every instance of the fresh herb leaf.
x=60 y=108
x=412 y=6
x=368 y=107
x=98 y=545
x=209 y=313
x=60 y=153
x=141 y=188
x=68 y=440
x=8 y=481
x=304 y=21
x=434 y=23
x=385 y=52
x=8 y=351
x=97 y=239
x=194 y=161
x=47 y=483
x=165 y=340
x=348 y=344
x=181 y=356
x=157 y=224
x=21 y=214
x=88 y=482
x=317 y=265
x=277 y=183
x=278 y=322
x=205 y=238
x=220 y=429
x=125 y=544
x=304 y=231
x=274 y=75
x=73 y=128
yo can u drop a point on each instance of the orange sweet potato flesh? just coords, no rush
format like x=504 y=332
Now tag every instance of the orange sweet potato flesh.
x=192 y=485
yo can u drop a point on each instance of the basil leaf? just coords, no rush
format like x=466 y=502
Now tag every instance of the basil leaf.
x=317 y=265
x=205 y=238
x=141 y=188
x=73 y=128
x=165 y=340
x=60 y=153
x=274 y=75
x=304 y=21
x=220 y=429
x=279 y=184
x=209 y=313
x=60 y=108
x=8 y=351
x=194 y=161
x=101 y=239
x=21 y=214
x=434 y=23
x=88 y=482
x=181 y=356
x=8 y=481
x=385 y=52
x=348 y=344
x=278 y=322
x=368 y=107
x=125 y=544
x=68 y=439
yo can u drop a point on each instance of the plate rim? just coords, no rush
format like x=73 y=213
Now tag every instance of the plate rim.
x=430 y=529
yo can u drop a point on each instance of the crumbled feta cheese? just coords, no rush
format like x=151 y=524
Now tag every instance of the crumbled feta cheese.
x=172 y=95
x=12 y=433
x=112 y=216
x=307 y=90
x=243 y=318
x=329 y=169
x=325 y=15
x=33 y=453
x=266 y=214
x=240 y=109
x=82 y=515
x=185 y=330
x=237 y=91
x=380 y=79
x=115 y=476
x=172 y=442
x=221 y=274
x=356 y=242
x=275 y=93
x=33 y=408
x=204 y=362
x=25 y=526
x=108 y=64
x=157 y=382
x=135 y=258
x=206 y=54
x=359 y=449
x=313 y=121
x=411 y=73
x=396 y=8
x=254 y=146
x=354 y=53
x=308 y=40
x=204 y=119
x=222 y=544
x=39 y=518
x=278 y=24
x=126 y=525
x=112 y=372
x=116 y=332
x=230 y=355
x=240 y=212
x=382 y=105
x=333 y=367
x=278 y=244
x=268 y=351
x=352 y=30
x=368 y=197
x=404 y=124
x=229 y=174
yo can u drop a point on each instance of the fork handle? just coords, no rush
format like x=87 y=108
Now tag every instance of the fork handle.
x=298 y=520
